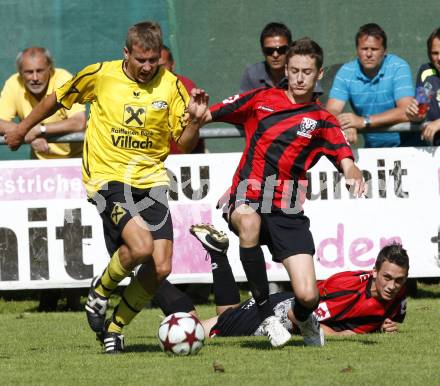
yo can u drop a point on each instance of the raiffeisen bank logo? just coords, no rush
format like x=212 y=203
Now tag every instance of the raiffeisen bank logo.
x=134 y=116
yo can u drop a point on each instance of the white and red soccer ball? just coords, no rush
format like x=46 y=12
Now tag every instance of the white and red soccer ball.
x=181 y=334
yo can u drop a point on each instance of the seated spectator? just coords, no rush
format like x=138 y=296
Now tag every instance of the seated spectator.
x=351 y=302
x=36 y=78
x=379 y=88
x=275 y=40
x=166 y=60
x=428 y=77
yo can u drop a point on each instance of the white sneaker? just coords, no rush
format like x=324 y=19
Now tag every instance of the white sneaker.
x=274 y=287
x=311 y=331
x=277 y=334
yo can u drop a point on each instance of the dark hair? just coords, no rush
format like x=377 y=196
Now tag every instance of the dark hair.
x=306 y=46
x=275 y=29
x=434 y=34
x=170 y=54
x=374 y=30
x=147 y=34
x=393 y=253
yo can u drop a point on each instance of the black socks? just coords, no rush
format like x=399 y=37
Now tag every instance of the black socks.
x=225 y=288
x=255 y=268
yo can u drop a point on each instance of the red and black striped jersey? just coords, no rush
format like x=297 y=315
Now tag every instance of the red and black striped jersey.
x=346 y=303
x=283 y=141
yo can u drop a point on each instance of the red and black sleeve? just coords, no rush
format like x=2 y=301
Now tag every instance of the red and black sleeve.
x=235 y=109
x=334 y=144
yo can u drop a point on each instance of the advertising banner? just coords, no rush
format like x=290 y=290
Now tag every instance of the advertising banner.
x=51 y=236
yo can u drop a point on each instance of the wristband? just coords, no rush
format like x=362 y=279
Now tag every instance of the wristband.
x=367 y=121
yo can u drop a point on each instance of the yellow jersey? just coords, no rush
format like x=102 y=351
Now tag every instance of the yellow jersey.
x=17 y=101
x=130 y=124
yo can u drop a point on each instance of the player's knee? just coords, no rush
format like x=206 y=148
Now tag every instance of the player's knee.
x=308 y=297
x=163 y=259
x=249 y=227
x=141 y=252
x=163 y=270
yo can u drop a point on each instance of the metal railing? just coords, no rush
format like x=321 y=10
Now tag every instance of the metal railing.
x=233 y=132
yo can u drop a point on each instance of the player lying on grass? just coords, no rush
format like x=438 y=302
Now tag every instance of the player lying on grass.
x=351 y=302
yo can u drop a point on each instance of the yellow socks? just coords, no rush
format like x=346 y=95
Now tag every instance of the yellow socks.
x=133 y=300
x=112 y=276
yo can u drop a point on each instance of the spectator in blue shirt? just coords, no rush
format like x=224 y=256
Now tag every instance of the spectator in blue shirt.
x=428 y=77
x=379 y=88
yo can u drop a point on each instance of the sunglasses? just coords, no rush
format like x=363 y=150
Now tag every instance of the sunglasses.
x=269 y=51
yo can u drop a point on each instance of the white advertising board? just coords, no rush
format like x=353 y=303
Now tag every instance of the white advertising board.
x=50 y=236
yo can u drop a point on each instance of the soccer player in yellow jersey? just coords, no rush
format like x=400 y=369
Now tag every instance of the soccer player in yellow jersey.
x=136 y=108
x=36 y=78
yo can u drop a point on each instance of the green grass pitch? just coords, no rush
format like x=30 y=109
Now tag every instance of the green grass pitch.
x=59 y=349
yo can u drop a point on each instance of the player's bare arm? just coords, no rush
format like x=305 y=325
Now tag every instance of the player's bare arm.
x=14 y=137
x=328 y=331
x=353 y=177
x=207 y=118
x=197 y=106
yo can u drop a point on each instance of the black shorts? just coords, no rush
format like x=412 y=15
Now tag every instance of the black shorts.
x=285 y=234
x=244 y=320
x=119 y=203
x=241 y=321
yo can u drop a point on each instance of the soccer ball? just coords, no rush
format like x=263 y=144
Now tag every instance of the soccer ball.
x=181 y=334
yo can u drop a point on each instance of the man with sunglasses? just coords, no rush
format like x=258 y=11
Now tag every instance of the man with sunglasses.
x=275 y=40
